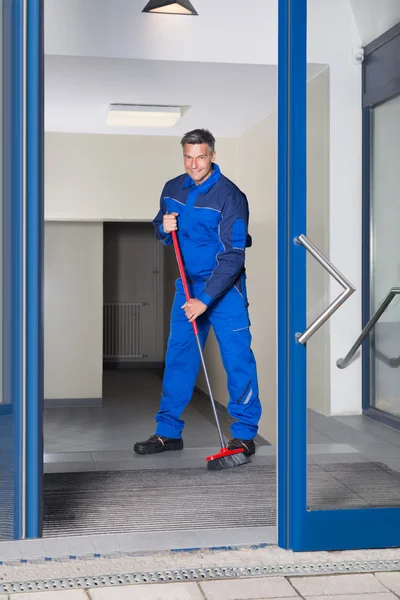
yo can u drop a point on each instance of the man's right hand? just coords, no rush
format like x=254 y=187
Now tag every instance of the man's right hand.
x=170 y=223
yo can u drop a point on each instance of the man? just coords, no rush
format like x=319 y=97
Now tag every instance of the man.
x=210 y=215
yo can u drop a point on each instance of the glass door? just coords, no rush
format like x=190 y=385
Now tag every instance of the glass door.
x=338 y=470
x=21 y=215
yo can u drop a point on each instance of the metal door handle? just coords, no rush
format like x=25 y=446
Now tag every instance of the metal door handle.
x=348 y=289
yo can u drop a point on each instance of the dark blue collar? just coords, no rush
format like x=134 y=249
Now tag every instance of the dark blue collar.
x=207 y=184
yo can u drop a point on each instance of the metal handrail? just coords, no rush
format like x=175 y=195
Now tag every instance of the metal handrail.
x=342 y=363
x=332 y=270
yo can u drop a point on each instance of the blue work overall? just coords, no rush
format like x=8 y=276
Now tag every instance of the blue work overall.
x=212 y=232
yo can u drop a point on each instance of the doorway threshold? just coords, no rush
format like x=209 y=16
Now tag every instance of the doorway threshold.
x=76 y=547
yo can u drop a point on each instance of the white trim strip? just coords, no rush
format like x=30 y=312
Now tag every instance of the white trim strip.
x=237 y=289
x=242 y=328
x=249 y=395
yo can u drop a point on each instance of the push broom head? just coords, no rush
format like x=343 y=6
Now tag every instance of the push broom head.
x=227 y=459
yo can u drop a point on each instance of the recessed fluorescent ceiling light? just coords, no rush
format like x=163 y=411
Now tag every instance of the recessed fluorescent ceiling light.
x=127 y=115
x=170 y=7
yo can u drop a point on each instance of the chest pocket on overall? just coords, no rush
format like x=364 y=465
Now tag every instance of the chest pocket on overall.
x=204 y=223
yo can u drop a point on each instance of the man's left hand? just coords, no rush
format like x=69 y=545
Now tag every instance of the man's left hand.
x=194 y=308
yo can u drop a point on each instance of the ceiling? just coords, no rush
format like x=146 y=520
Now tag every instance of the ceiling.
x=374 y=17
x=226 y=31
x=226 y=98
x=107 y=51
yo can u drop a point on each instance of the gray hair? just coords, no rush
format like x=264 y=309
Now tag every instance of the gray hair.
x=199 y=136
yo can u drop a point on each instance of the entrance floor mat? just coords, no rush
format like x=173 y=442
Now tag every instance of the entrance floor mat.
x=143 y=501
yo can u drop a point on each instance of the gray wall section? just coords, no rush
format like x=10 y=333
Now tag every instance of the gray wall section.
x=133 y=273
x=73 y=310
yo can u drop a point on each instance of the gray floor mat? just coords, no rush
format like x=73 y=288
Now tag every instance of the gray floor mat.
x=179 y=499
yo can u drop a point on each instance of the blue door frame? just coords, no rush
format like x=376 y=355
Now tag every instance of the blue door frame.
x=21 y=409
x=34 y=265
x=299 y=528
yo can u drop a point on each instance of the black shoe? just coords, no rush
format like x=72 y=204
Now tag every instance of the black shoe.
x=156 y=444
x=248 y=446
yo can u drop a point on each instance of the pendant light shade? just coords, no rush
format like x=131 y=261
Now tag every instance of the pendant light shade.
x=170 y=7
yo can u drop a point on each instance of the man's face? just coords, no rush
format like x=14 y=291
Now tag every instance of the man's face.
x=198 y=161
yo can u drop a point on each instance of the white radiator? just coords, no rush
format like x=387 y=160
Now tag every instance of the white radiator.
x=123 y=331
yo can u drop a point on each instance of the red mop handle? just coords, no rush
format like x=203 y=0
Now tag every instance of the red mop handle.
x=183 y=274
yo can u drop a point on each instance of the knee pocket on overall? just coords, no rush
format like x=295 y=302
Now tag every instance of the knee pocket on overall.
x=235 y=336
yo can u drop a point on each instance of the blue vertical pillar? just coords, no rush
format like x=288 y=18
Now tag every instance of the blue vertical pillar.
x=34 y=265
x=292 y=400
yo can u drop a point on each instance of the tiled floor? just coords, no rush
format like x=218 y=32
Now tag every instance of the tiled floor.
x=369 y=586
x=88 y=439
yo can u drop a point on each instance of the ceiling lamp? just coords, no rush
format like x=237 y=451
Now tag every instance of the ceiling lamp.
x=170 y=7
x=129 y=115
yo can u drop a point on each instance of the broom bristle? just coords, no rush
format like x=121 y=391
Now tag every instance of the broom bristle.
x=228 y=462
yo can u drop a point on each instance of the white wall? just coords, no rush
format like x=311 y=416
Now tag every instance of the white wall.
x=73 y=309
x=318 y=231
x=106 y=178
x=332 y=34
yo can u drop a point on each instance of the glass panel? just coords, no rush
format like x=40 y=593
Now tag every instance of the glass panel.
x=353 y=460
x=11 y=281
x=385 y=272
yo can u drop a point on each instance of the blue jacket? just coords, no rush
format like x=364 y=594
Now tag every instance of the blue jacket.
x=212 y=230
